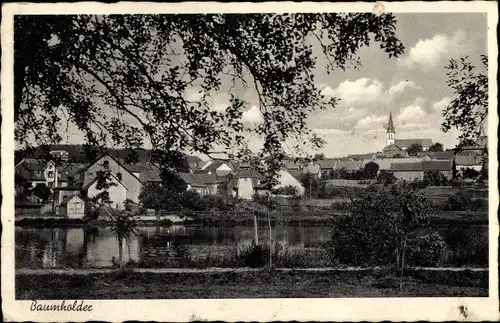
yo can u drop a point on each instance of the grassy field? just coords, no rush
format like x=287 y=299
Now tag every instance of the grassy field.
x=260 y=284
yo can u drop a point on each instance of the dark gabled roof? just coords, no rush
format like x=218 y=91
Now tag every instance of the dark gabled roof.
x=437 y=154
x=408 y=142
x=70 y=170
x=291 y=164
x=406 y=167
x=148 y=172
x=426 y=165
x=200 y=180
x=361 y=156
x=31 y=169
x=191 y=179
x=393 y=147
x=385 y=163
x=442 y=165
x=328 y=163
x=348 y=165
x=466 y=161
x=248 y=172
x=193 y=159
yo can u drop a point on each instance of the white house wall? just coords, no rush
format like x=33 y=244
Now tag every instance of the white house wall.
x=117 y=194
x=461 y=168
x=132 y=184
x=245 y=188
x=286 y=179
x=75 y=208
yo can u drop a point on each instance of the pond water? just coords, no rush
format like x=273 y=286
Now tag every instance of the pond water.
x=96 y=247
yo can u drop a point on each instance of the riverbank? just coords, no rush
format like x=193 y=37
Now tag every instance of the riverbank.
x=307 y=219
x=249 y=283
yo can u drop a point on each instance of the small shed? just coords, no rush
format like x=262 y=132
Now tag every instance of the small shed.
x=72 y=207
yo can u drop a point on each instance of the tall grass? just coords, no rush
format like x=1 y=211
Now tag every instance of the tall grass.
x=253 y=256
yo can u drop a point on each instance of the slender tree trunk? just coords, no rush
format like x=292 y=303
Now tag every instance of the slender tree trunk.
x=402 y=265
x=120 y=252
x=270 y=234
x=255 y=228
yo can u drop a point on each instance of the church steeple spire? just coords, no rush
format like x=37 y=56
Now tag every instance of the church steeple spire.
x=390 y=125
x=391 y=132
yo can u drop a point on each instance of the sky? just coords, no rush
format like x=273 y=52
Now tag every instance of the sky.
x=412 y=87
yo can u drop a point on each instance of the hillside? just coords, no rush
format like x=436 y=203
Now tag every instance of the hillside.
x=77 y=153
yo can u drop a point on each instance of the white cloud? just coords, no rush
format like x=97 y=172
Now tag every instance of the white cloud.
x=413 y=113
x=399 y=88
x=253 y=116
x=365 y=91
x=428 y=53
x=372 y=122
x=361 y=91
x=440 y=105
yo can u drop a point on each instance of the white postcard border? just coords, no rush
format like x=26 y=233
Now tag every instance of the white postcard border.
x=341 y=309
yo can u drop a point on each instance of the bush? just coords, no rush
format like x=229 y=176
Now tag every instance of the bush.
x=426 y=250
x=386 y=177
x=372 y=232
x=286 y=190
x=470 y=173
x=255 y=255
x=435 y=178
x=464 y=201
x=466 y=247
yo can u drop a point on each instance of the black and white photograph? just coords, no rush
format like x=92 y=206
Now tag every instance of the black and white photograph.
x=220 y=154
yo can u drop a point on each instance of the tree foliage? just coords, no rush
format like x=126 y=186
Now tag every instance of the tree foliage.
x=414 y=149
x=370 y=170
x=435 y=178
x=155 y=196
x=468 y=110
x=122 y=79
x=42 y=192
x=436 y=147
x=386 y=177
x=377 y=229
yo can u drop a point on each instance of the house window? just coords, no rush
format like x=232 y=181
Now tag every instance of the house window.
x=119 y=176
x=50 y=174
x=106 y=164
x=91 y=175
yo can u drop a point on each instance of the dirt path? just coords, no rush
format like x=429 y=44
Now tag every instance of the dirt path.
x=89 y=271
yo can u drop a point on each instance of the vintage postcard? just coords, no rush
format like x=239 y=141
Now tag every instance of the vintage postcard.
x=249 y=161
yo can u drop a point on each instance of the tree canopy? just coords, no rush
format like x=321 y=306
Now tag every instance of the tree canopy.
x=436 y=147
x=468 y=110
x=414 y=149
x=121 y=79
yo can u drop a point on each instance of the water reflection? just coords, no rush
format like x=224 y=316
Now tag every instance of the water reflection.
x=98 y=247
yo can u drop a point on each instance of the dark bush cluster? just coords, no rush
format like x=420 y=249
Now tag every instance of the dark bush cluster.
x=465 y=201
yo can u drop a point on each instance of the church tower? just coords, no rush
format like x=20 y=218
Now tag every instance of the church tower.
x=391 y=132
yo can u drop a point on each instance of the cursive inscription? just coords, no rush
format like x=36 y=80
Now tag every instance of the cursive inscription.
x=63 y=306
